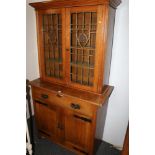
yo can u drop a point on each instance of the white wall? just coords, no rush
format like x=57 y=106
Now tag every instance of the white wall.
x=118 y=107
x=32 y=68
x=117 y=115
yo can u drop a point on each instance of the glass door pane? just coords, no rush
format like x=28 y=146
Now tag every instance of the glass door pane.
x=52 y=42
x=83 y=27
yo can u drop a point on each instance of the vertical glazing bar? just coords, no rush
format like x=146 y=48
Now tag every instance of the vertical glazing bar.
x=71 y=30
x=76 y=52
x=58 y=46
x=48 y=31
x=51 y=44
x=53 y=47
x=89 y=46
x=44 y=43
x=83 y=25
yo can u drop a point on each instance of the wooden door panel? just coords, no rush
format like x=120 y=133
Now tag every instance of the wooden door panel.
x=81 y=44
x=78 y=130
x=46 y=118
x=51 y=29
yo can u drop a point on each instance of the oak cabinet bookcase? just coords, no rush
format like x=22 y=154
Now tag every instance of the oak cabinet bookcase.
x=74 y=50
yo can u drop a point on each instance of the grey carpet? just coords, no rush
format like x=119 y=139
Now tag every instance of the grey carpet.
x=45 y=147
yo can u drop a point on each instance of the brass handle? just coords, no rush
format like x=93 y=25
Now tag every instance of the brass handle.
x=60 y=94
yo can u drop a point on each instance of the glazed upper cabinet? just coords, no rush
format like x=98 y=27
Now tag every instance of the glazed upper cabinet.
x=72 y=43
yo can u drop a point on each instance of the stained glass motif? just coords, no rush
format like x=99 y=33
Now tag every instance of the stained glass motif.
x=83 y=41
x=52 y=36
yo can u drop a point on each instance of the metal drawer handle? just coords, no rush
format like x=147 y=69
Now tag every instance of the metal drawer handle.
x=60 y=94
x=44 y=96
x=75 y=106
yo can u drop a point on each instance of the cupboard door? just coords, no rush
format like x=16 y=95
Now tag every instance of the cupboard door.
x=78 y=131
x=51 y=44
x=81 y=29
x=46 y=119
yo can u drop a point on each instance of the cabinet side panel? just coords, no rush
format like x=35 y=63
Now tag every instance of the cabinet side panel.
x=100 y=122
x=109 y=45
x=38 y=44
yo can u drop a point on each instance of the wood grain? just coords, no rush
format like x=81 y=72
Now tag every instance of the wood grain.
x=93 y=98
x=125 y=150
x=71 y=3
x=69 y=112
x=100 y=73
x=65 y=101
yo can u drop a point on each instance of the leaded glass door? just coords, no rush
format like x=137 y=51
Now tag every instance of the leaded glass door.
x=81 y=44
x=51 y=27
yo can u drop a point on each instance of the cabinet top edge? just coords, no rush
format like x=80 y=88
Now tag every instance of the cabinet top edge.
x=96 y=99
x=73 y=3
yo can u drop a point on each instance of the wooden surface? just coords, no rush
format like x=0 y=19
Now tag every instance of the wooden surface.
x=67 y=111
x=70 y=3
x=41 y=47
x=58 y=121
x=73 y=114
x=110 y=34
x=95 y=99
x=74 y=84
x=125 y=150
x=65 y=101
x=45 y=115
x=103 y=44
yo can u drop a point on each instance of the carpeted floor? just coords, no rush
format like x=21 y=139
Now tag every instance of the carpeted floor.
x=45 y=147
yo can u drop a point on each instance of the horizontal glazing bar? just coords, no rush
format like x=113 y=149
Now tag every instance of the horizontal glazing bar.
x=79 y=81
x=51 y=30
x=82 y=65
x=54 y=60
x=79 y=48
x=83 y=24
x=91 y=31
x=84 y=55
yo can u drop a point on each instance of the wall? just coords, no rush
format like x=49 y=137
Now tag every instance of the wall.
x=32 y=70
x=118 y=107
x=117 y=114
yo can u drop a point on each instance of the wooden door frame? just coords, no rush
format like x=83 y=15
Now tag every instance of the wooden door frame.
x=54 y=108
x=93 y=88
x=43 y=76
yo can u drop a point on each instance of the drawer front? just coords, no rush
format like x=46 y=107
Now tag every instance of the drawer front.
x=63 y=100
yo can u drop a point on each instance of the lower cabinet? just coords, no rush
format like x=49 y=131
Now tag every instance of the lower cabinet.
x=68 y=117
x=64 y=126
